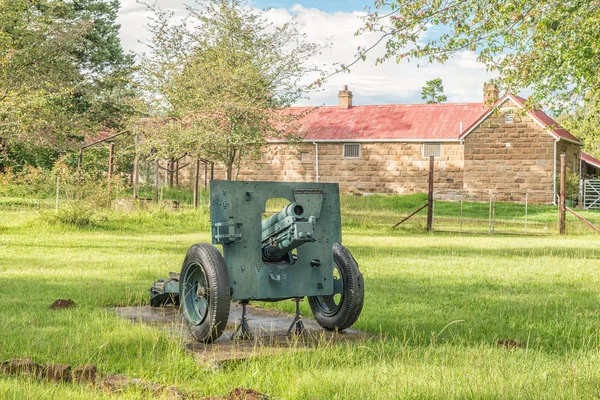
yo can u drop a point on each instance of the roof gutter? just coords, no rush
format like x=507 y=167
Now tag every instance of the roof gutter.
x=371 y=141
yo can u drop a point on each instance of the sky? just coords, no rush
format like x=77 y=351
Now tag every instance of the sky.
x=336 y=22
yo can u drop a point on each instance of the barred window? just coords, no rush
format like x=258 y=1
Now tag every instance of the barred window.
x=509 y=118
x=351 y=150
x=432 y=149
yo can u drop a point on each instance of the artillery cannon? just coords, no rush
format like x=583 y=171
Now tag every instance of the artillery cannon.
x=293 y=254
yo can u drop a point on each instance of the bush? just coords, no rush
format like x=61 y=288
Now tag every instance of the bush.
x=74 y=214
x=30 y=181
x=571 y=185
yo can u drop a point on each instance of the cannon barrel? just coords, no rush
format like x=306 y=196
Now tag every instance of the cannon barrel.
x=285 y=231
x=291 y=210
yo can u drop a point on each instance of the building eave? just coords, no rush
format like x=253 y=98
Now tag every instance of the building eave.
x=371 y=141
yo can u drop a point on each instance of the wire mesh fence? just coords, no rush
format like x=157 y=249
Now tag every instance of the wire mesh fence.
x=462 y=211
x=488 y=212
x=79 y=197
x=468 y=212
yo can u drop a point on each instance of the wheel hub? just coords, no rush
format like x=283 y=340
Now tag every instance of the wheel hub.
x=195 y=299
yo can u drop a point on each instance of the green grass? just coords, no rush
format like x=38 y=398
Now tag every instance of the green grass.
x=438 y=304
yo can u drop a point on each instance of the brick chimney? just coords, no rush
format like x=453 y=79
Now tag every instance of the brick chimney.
x=345 y=98
x=490 y=94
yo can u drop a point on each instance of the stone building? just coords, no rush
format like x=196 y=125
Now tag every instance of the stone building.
x=497 y=145
x=590 y=166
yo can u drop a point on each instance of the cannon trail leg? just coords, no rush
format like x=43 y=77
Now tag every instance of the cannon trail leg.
x=243 y=329
x=298 y=323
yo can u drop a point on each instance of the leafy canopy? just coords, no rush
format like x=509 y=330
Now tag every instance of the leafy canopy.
x=584 y=122
x=215 y=83
x=550 y=46
x=433 y=91
x=63 y=74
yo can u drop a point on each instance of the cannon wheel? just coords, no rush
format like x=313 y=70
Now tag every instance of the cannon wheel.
x=204 y=292
x=340 y=310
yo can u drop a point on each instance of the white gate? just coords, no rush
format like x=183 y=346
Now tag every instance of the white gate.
x=591 y=193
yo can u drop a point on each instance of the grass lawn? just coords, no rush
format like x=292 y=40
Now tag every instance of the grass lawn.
x=438 y=303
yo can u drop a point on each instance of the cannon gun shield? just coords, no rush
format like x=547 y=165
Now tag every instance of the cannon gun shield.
x=293 y=254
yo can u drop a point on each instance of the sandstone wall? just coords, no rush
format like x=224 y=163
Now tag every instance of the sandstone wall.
x=509 y=158
x=517 y=157
x=382 y=167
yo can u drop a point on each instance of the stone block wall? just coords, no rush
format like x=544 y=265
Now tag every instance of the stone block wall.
x=571 y=152
x=508 y=158
x=511 y=157
x=390 y=167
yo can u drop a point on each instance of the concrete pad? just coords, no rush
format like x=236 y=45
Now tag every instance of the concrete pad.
x=269 y=328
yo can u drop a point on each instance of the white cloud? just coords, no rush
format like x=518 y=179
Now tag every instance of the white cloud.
x=387 y=83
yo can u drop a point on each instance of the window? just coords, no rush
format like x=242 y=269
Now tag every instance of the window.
x=305 y=157
x=351 y=150
x=432 y=149
x=509 y=119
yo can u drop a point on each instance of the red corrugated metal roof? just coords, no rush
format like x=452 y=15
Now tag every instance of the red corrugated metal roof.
x=590 y=160
x=389 y=122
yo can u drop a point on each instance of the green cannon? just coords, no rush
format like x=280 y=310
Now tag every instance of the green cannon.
x=285 y=231
x=293 y=254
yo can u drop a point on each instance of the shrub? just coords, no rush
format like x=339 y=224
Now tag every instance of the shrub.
x=74 y=214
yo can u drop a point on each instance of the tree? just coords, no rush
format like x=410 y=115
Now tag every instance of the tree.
x=62 y=76
x=36 y=58
x=218 y=82
x=550 y=46
x=584 y=122
x=105 y=90
x=433 y=92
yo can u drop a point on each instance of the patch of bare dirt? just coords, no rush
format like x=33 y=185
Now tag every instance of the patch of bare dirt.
x=510 y=344
x=60 y=304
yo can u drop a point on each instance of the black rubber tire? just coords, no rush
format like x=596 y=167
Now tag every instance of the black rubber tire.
x=353 y=294
x=208 y=326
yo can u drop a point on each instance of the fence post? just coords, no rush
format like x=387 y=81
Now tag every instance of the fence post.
x=205 y=174
x=562 y=205
x=196 y=179
x=156 y=178
x=461 y=213
x=430 y=196
x=491 y=222
x=136 y=167
x=111 y=161
x=79 y=166
x=57 y=191
x=526 y=206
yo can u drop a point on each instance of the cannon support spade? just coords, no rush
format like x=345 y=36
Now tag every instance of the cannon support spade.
x=293 y=254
